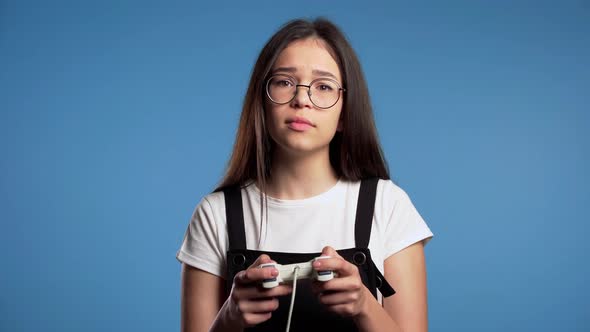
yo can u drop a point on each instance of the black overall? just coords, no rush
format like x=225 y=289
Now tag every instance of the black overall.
x=308 y=314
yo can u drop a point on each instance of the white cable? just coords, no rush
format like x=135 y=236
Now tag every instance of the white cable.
x=292 y=297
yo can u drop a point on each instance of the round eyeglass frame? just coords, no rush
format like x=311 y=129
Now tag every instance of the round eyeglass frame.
x=340 y=88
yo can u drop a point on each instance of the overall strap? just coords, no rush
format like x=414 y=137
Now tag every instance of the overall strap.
x=364 y=212
x=362 y=227
x=235 y=217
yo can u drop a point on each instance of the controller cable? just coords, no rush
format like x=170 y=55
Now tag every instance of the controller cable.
x=295 y=273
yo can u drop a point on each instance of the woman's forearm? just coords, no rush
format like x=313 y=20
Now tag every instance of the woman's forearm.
x=374 y=318
x=223 y=321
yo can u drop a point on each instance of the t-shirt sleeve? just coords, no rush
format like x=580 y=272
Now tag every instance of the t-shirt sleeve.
x=204 y=244
x=404 y=225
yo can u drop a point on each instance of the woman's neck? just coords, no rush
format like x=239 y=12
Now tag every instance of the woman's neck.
x=301 y=177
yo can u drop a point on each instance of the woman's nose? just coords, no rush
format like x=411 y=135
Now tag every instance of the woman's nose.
x=302 y=98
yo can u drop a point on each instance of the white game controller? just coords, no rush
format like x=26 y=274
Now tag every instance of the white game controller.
x=287 y=272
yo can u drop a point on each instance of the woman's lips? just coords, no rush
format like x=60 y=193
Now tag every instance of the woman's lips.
x=299 y=123
x=299 y=126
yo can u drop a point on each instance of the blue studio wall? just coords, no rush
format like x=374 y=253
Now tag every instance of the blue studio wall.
x=116 y=117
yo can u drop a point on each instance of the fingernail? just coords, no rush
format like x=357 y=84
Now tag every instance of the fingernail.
x=316 y=264
x=274 y=272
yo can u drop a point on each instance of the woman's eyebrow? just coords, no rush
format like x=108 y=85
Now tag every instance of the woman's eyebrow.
x=323 y=73
x=287 y=69
x=316 y=72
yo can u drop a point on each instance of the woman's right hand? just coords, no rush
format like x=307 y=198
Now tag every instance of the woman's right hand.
x=249 y=303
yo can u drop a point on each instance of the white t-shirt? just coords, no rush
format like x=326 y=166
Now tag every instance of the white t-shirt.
x=303 y=225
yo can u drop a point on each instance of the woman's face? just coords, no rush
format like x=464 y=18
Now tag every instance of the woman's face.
x=299 y=127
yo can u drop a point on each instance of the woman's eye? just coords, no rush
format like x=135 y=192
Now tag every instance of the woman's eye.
x=283 y=83
x=324 y=87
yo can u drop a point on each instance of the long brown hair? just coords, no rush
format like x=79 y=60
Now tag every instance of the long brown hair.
x=355 y=152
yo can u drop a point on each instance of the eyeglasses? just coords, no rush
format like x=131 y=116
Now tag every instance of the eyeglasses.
x=323 y=92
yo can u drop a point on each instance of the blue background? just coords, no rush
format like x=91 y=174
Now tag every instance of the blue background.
x=118 y=116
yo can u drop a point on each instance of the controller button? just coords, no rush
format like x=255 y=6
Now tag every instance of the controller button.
x=359 y=258
x=324 y=273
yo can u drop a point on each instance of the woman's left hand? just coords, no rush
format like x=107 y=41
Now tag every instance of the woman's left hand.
x=346 y=294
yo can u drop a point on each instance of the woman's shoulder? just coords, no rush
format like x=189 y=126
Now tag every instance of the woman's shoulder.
x=386 y=189
x=389 y=189
x=211 y=204
x=216 y=200
x=390 y=197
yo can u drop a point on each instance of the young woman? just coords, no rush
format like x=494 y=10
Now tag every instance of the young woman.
x=306 y=178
